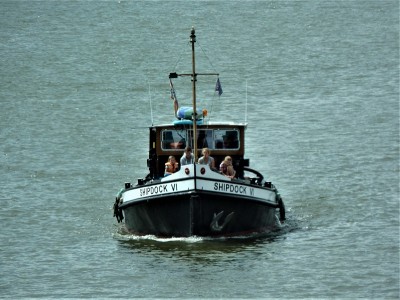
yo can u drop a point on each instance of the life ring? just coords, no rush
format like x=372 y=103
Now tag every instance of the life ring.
x=187 y=122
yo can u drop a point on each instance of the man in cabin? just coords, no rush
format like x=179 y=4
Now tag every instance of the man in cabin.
x=171 y=166
x=187 y=157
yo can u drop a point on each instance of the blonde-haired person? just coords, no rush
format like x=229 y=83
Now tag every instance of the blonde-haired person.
x=206 y=159
x=171 y=166
x=226 y=167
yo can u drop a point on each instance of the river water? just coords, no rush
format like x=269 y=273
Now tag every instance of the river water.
x=318 y=84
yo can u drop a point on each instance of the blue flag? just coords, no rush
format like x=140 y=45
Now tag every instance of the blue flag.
x=218 y=87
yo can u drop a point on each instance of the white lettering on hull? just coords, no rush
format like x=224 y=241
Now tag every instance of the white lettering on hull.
x=158 y=189
x=237 y=189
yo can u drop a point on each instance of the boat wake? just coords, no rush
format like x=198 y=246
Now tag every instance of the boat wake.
x=123 y=235
x=207 y=249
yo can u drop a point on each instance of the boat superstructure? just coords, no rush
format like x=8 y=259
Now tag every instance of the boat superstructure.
x=198 y=200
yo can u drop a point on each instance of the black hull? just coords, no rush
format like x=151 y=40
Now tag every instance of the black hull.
x=199 y=214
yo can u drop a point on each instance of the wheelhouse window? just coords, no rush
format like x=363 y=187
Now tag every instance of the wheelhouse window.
x=173 y=139
x=215 y=139
x=226 y=139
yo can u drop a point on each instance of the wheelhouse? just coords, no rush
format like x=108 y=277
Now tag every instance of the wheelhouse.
x=221 y=138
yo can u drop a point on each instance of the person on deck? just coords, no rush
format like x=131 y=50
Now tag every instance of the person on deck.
x=226 y=167
x=206 y=159
x=187 y=157
x=171 y=166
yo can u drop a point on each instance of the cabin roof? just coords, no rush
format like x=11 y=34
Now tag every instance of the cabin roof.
x=211 y=123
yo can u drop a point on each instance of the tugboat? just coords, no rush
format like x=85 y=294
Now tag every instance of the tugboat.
x=197 y=199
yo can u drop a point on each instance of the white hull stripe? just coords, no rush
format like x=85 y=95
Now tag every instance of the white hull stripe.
x=212 y=186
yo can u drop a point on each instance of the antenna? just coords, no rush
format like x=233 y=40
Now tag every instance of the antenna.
x=151 y=106
x=245 y=115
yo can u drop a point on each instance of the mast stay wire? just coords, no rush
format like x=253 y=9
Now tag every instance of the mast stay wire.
x=180 y=57
x=214 y=70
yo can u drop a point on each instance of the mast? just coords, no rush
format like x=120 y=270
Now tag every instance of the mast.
x=194 y=75
x=194 y=79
